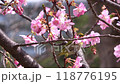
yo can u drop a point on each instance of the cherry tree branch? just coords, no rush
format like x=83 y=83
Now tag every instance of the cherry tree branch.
x=109 y=3
x=91 y=28
x=69 y=5
x=95 y=14
x=7 y=6
x=55 y=57
x=59 y=40
x=26 y=17
x=69 y=33
x=20 y=55
x=9 y=59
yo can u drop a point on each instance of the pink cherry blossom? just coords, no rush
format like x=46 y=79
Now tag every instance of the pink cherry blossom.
x=85 y=42
x=77 y=63
x=47 y=9
x=43 y=29
x=36 y=26
x=118 y=1
x=66 y=25
x=80 y=10
x=96 y=40
x=117 y=52
x=55 y=21
x=29 y=39
x=16 y=63
x=61 y=13
x=40 y=16
x=104 y=15
x=18 y=10
x=51 y=37
x=9 y=10
x=55 y=30
x=54 y=34
x=22 y=2
x=76 y=41
x=62 y=22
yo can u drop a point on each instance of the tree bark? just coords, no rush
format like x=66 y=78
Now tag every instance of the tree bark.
x=17 y=52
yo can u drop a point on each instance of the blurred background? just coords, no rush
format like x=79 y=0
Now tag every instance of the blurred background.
x=15 y=25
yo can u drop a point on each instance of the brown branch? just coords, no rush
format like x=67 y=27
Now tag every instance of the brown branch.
x=69 y=5
x=109 y=3
x=46 y=17
x=20 y=55
x=44 y=42
x=9 y=59
x=95 y=14
x=26 y=17
x=91 y=28
x=55 y=57
x=7 y=6
x=92 y=5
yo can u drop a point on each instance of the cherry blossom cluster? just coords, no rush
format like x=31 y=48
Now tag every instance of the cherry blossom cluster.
x=90 y=41
x=106 y=17
x=60 y=21
x=16 y=7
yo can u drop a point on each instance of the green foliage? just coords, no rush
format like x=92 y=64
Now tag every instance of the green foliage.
x=81 y=22
x=93 y=60
x=95 y=63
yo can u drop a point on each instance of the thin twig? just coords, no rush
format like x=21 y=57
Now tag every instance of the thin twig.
x=91 y=28
x=92 y=6
x=55 y=57
x=8 y=59
x=44 y=42
x=26 y=17
x=46 y=17
x=3 y=61
x=70 y=17
x=7 y=6
x=94 y=12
